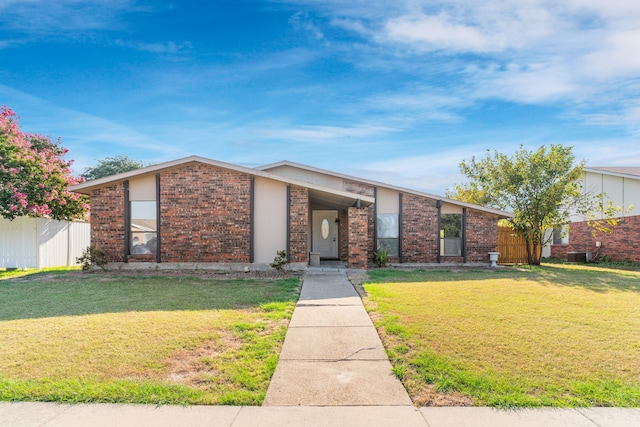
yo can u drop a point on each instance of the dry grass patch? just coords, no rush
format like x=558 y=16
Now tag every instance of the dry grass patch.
x=550 y=336
x=115 y=338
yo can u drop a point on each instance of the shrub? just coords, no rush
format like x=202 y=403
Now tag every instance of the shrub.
x=280 y=260
x=381 y=258
x=93 y=256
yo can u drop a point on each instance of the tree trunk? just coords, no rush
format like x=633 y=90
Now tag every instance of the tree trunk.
x=534 y=252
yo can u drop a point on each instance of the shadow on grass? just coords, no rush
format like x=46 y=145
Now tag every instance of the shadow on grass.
x=56 y=294
x=591 y=278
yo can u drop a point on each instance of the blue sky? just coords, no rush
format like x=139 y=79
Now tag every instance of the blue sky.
x=396 y=91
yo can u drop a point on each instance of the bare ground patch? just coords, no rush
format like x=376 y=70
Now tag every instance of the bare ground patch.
x=202 y=367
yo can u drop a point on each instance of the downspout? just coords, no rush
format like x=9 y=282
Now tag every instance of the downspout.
x=439 y=207
x=375 y=219
x=251 y=218
x=158 y=220
x=127 y=222
x=400 y=228
x=464 y=235
x=288 y=223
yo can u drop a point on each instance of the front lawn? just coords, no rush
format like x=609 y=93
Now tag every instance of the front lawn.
x=116 y=337
x=555 y=335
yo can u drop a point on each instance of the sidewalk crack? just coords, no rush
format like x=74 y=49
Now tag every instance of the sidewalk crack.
x=356 y=352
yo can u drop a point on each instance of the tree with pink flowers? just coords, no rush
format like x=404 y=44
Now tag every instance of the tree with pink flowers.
x=34 y=177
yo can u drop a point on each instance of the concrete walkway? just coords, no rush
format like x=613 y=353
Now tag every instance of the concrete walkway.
x=333 y=371
x=332 y=355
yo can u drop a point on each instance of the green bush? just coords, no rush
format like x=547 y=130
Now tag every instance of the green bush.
x=381 y=258
x=280 y=260
x=93 y=256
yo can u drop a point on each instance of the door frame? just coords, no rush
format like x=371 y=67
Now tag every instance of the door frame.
x=334 y=232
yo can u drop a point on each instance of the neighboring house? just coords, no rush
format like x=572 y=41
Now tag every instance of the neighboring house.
x=621 y=185
x=198 y=211
x=29 y=242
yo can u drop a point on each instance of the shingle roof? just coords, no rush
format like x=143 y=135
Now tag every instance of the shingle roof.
x=633 y=171
x=382 y=184
x=87 y=187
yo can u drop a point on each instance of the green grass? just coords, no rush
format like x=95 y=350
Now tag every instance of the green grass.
x=13 y=273
x=555 y=335
x=106 y=337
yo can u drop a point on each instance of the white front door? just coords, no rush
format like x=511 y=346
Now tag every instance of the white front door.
x=325 y=233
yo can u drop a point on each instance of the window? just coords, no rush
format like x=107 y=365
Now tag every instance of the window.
x=387 y=233
x=451 y=234
x=144 y=228
x=558 y=236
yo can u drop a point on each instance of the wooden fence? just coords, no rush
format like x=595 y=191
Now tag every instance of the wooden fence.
x=512 y=247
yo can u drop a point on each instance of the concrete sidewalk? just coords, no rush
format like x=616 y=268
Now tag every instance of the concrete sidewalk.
x=332 y=354
x=107 y=415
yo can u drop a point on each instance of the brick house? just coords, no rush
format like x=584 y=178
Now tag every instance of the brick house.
x=621 y=185
x=199 y=211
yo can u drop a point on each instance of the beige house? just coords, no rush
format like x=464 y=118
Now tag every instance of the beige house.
x=621 y=186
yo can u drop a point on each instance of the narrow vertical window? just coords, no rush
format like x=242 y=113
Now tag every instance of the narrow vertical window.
x=387 y=232
x=144 y=228
x=451 y=234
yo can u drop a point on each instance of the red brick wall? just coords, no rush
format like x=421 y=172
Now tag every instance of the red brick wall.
x=482 y=235
x=204 y=214
x=419 y=229
x=357 y=238
x=299 y=224
x=420 y=232
x=623 y=244
x=107 y=220
x=343 y=232
x=365 y=190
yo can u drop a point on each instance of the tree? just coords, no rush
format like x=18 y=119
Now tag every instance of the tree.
x=542 y=188
x=34 y=177
x=111 y=166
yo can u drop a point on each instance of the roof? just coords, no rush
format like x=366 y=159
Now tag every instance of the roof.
x=628 y=171
x=329 y=194
x=384 y=185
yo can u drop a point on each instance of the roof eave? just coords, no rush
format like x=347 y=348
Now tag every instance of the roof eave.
x=497 y=212
x=87 y=187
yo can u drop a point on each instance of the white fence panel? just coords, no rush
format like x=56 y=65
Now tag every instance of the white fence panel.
x=79 y=240
x=61 y=242
x=54 y=243
x=19 y=243
x=39 y=243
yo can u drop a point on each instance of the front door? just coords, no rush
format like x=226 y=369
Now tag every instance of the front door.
x=325 y=233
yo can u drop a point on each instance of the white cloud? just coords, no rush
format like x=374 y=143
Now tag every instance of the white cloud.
x=301 y=20
x=536 y=83
x=615 y=57
x=437 y=33
x=459 y=26
x=170 y=47
x=332 y=134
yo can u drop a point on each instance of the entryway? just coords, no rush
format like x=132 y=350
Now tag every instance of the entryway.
x=325 y=233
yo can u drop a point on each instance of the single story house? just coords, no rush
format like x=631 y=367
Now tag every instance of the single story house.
x=28 y=242
x=621 y=185
x=199 y=211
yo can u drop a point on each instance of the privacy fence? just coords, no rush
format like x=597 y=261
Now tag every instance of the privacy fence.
x=38 y=242
x=512 y=247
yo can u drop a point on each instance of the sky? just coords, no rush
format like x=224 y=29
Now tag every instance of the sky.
x=395 y=91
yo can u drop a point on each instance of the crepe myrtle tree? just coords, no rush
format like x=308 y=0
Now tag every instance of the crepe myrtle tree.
x=542 y=188
x=34 y=177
